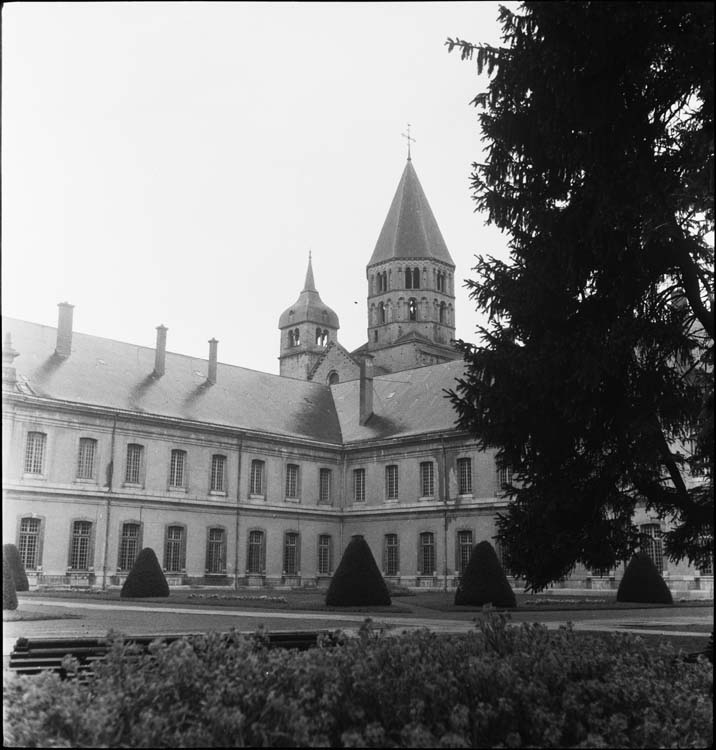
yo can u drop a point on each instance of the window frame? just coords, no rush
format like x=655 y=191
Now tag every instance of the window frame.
x=181 y=549
x=257 y=468
x=391 y=551
x=429 y=479
x=324 y=550
x=210 y=549
x=392 y=486
x=325 y=486
x=130 y=481
x=87 y=455
x=463 y=490
x=655 y=548
x=426 y=542
x=89 y=549
x=293 y=485
x=218 y=488
x=178 y=452
x=121 y=556
x=38 y=537
x=463 y=550
x=30 y=461
x=359 y=486
x=254 y=547
x=291 y=534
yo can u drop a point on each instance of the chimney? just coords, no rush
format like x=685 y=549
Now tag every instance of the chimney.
x=9 y=375
x=211 y=377
x=366 y=390
x=161 y=352
x=64 y=330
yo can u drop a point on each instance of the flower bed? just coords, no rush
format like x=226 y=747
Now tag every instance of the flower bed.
x=499 y=686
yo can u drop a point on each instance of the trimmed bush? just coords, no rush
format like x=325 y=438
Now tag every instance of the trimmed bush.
x=643 y=583
x=484 y=581
x=357 y=580
x=9 y=597
x=16 y=567
x=498 y=686
x=146 y=577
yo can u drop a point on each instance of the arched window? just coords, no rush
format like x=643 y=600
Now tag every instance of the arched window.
x=256 y=552
x=441 y=281
x=291 y=341
x=412 y=309
x=442 y=312
x=333 y=377
x=216 y=550
x=296 y=337
x=381 y=313
x=129 y=544
x=416 y=278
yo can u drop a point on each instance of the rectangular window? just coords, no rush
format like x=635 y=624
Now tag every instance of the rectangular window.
x=504 y=477
x=359 y=485
x=426 y=554
x=464 y=550
x=80 y=545
x=501 y=557
x=292 y=481
x=85 y=458
x=324 y=493
x=132 y=474
x=427 y=479
x=391 y=482
x=290 y=553
x=216 y=552
x=391 y=565
x=464 y=476
x=324 y=555
x=256 y=555
x=653 y=545
x=128 y=546
x=175 y=549
x=177 y=469
x=257 y=478
x=218 y=473
x=35 y=452
x=29 y=542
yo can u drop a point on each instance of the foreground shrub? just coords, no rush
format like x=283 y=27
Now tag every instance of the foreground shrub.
x=9 y=597
x=357 y=580
x=146 y=577
x=495 y=687
x=17 y=569
x=484 y=581
x=643 y=583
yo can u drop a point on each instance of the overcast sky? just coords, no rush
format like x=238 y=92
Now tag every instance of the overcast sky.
x=175 y=163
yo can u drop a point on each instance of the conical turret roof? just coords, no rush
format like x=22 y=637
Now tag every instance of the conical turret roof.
x=309 y=306
x=410 y=229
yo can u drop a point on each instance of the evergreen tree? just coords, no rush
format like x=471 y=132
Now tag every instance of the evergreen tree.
x=146 y=577
x=484 y=581
x=357 y=580
x=643 y=583
x=16 y=567
x=9 y=597
x=592 y=379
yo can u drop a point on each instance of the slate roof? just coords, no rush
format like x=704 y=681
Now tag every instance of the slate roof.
x=410 y=402
x=410 y=229
x=309 y=307
x=118 y=375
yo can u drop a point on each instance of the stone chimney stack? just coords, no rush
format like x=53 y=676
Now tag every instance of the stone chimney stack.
x=64 y=330
x=9 y=375
x=213 y=345
x=366 y=390
x=160 y=355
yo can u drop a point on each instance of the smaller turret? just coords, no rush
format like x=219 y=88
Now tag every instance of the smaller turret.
x=307 y=327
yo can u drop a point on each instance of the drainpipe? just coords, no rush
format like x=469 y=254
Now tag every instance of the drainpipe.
x=238 y=500
x=446 y=486
x=110 y=479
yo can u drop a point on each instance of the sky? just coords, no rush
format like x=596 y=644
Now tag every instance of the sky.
x=174 y=163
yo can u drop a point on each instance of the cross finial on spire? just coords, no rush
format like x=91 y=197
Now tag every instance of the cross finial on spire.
x=310 y=284
x=409 y=139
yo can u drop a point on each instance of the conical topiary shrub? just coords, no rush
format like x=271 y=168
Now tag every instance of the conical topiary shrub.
x=9 y=597
x=357 y=580
x=643 y=583
x=17 y=569
x=484 y=581
x=146 y=577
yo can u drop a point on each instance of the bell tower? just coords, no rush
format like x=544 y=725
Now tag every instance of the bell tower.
x=307 y=327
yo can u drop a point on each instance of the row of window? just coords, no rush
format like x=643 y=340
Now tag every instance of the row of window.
x=380 y=314
x=174 y=558
x=411 y=277
x=294 y=337
x=35 y=454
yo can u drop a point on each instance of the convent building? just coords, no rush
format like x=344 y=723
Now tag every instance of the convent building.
x=236 y=477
